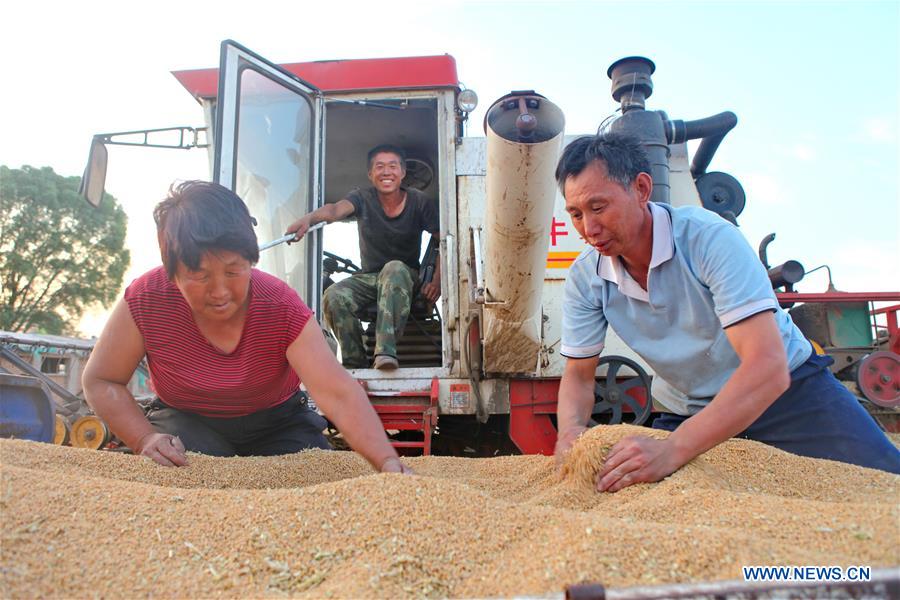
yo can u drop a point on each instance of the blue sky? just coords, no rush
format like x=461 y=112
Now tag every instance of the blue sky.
x=814 y=85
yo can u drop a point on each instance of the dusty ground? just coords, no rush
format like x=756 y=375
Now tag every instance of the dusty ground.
x=81 y=523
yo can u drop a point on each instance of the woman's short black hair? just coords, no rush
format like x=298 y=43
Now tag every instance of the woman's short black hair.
x=197 y=217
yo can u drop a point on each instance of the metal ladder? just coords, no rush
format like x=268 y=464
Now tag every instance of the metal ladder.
x=413 y=410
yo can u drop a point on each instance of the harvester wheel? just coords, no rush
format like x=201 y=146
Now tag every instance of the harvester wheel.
x=61 y=433
x=878 y=378
x=90 y=432
x=610 y=395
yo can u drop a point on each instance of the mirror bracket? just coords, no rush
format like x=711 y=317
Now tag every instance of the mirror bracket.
x=94 y=179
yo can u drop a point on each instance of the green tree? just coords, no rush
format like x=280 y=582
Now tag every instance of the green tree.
x=58 y=254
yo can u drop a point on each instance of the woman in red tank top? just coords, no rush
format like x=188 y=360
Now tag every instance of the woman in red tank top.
x=227 y=346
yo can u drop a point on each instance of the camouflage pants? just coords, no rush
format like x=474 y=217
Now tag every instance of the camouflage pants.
x=347 y=301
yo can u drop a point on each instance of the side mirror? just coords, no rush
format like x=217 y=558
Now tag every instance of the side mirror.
x=94 y=178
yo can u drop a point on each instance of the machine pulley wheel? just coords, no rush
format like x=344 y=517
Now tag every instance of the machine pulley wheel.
x=878 y=378
x=611 y=395
x=90 y=432
x=61 y=433
x=419 y=174
x=721 y=193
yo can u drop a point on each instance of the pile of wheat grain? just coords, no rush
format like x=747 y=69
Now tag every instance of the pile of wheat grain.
x=81 y=523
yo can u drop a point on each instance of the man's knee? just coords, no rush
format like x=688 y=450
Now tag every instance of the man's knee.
x=337 y=303
x=334 y=297
x=396 y=274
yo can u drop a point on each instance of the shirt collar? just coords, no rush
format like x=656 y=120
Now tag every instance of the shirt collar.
x=611 y=268
x=663 y=239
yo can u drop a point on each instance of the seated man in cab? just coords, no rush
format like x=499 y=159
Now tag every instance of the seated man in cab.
x=390 y=220
x=683 y=289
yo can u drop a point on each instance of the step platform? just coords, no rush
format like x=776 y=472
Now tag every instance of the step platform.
x=415 y=410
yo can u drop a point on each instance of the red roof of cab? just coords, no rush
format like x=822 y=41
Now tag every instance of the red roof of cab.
x=414 y=72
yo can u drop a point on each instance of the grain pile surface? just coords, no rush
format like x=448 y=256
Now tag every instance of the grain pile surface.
x=81 y=523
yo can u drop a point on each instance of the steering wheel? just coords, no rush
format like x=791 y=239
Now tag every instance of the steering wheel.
x=338 y=264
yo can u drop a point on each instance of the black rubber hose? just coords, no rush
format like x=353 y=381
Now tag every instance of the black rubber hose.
x=711 y=130
x=763 y=245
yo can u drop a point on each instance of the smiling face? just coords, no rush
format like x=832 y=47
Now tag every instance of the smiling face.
x=219 y=288
x=609 y=217
x=386 y=172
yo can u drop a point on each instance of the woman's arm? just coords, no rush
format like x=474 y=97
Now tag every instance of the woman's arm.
x=105 y=379
x=341 y=398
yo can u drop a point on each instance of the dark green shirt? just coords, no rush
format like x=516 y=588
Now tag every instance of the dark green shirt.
x=383 y=239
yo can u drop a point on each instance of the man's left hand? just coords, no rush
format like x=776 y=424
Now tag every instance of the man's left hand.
x=431 y=291
x=637 y=459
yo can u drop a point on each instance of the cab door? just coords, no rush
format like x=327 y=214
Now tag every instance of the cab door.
x=268 y=149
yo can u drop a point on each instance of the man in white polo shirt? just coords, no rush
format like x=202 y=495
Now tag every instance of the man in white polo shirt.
x=683 y=289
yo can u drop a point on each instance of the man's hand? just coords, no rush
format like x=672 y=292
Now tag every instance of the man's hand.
x=299 y=228
x=564 y=441
x=164 y=449
x=395 y=465
x=431 y=291
x=638 y=459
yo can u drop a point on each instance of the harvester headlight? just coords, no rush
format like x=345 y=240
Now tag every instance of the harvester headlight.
x=467 y=101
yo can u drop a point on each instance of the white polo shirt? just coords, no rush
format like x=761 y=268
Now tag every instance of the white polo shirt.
x=703 y=277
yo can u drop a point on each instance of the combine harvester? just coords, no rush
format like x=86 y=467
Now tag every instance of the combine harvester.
x=483 y=370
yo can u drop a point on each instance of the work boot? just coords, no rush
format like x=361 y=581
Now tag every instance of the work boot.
x=385 y=362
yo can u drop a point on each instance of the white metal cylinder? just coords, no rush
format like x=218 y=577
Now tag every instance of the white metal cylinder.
x=520 y=194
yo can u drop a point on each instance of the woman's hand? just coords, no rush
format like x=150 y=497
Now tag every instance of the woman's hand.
x=163 y=448
x=395 y=465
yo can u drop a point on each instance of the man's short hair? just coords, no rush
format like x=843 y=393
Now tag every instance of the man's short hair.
x=622 y=155
x=400 y=152
x=197 y=217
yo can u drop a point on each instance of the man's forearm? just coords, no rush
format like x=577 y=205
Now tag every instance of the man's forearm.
x=322 y=214
x=750 y=390
x=576 y=400
x=437 y=268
